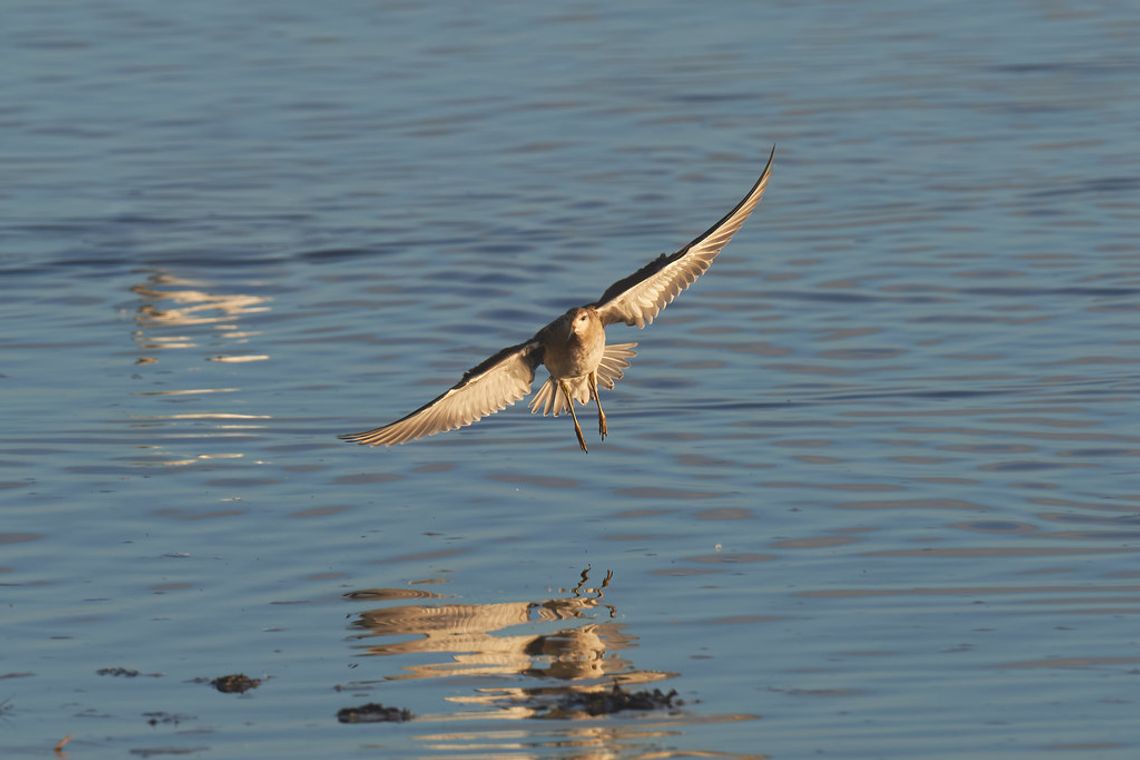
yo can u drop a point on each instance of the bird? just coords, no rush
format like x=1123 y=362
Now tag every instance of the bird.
x=573 y=347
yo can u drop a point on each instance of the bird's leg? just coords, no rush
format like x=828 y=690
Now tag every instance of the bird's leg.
x=598 y=400
x=570 y=402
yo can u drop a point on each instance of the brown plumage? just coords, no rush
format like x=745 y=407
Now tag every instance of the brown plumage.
x=573 y=347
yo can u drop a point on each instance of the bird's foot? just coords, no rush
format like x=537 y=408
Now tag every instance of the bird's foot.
x=581 y=438
x=582 y=444
x=602 y=430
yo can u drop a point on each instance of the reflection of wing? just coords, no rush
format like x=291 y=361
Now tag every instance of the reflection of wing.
x=495 y=384
x=639 y=298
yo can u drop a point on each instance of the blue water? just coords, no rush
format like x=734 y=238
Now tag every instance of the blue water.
x=872 y=486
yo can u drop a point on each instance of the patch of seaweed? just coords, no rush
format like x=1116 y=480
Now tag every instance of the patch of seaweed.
x=615 y=700
x=236 y=683
x=373 y=712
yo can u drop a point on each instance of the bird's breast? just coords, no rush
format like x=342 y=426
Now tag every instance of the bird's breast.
x=574 y=357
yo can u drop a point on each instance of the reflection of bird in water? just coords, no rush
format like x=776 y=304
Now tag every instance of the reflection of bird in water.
x=573 y=347
x=467 y=632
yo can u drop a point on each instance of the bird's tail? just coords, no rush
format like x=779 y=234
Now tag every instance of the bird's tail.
x=551 y=400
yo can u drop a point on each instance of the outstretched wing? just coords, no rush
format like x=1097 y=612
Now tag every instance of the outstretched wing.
x=639 y=298
x=495 y=384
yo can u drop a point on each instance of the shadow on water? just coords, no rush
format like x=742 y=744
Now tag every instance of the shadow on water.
x=549 y=660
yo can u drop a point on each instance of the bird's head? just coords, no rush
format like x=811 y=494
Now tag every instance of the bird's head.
x=578 y=321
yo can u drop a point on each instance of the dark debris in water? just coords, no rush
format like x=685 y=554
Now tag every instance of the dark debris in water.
x=237 y=683
x=124 y=673
x=20 y=674
x=373 y=712
x=360 y=686
x=615 y=700
x=165 y=718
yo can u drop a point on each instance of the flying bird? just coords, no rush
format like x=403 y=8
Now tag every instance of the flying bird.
x=573 y=347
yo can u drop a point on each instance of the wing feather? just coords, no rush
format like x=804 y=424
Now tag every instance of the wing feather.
x=639 y=298
x=493 y=385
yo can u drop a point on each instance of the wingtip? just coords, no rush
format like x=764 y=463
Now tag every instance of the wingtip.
x=352 y=438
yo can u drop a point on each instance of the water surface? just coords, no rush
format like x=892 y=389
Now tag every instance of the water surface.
x=872 y=485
